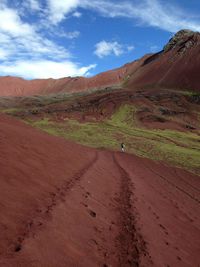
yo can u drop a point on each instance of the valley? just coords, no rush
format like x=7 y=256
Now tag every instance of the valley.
x=69 y=196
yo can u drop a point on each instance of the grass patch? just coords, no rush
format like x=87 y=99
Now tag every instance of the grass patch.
x=173 y=147
x=11 y=111
x=191 y=93
x=124 y=117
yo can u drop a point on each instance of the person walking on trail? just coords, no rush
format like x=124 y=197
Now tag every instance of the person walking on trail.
x=122 y=147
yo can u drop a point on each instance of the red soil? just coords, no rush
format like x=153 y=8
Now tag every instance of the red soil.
x=177 y=66
x=63 y=204
x=13 y=86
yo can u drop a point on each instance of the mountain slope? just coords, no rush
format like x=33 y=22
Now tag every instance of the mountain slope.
x=63 y=204
x=14 y=86
x=177 y=66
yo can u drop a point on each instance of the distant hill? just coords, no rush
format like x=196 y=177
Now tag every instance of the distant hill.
x=14 y=86
x=176 y=66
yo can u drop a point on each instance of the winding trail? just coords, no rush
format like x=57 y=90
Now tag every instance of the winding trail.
x=91 y=208
x=131 y=244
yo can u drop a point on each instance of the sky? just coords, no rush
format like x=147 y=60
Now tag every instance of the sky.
x=60 y=38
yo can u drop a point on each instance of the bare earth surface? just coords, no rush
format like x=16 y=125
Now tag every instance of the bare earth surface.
x=63 y=204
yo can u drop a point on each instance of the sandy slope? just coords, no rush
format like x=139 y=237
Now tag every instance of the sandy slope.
x=62 y=204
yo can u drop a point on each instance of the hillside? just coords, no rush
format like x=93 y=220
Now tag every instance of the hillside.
x=63 y=204
x=176 y=66
x=13 y=86
x=70 y=197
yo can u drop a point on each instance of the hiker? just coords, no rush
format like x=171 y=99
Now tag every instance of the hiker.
x=122 y=147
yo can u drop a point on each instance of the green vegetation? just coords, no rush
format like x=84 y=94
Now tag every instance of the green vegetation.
x=173 y=147
x=191 y=93
x=124 y=117
x=10 y=110
x=126 y=80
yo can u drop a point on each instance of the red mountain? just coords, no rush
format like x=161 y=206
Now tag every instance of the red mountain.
x=14 y=86
x=176 y=66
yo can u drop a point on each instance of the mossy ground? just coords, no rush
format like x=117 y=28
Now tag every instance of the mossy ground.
x=173 y=147
x=10 y=111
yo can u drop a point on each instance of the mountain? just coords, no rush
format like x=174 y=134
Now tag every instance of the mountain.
x=14 y=86
x=176 y=66
x=49 y=182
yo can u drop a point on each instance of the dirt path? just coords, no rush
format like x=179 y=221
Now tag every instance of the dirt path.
x=88 y=222
x=118 y=210
x=90 y=208
x=111 y=214
x=169 y=211
x=132 y=247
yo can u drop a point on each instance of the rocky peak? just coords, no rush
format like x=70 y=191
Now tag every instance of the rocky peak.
x=182 y=41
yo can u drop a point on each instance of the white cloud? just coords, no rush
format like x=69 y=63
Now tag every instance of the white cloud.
x=12 y=24
x=149 y=12
x=77 y=14
x=166 y=17
x=25 y=52
x=21 y=39
x=33 y=4
x=72 y=35
x=130 y=48
x=3 y=54
x=104 y=48
x=58 y=9
x=35 y=69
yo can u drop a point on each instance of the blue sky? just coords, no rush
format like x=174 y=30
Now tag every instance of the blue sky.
x=59 y=38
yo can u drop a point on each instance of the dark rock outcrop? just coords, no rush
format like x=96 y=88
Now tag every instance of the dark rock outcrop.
x=182 y=41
